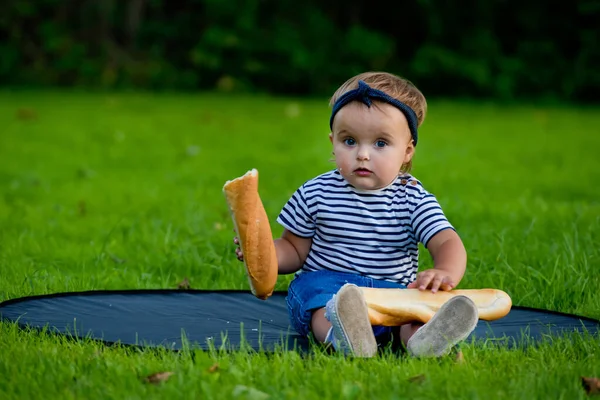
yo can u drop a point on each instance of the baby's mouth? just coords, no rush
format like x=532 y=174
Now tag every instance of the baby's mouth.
x=362 y=172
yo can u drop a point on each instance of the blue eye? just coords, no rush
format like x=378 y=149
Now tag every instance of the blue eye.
x=350 y=142
x=380 y=143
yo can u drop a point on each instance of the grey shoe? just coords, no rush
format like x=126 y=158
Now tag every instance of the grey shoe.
x=349 y=316
x=451 y=324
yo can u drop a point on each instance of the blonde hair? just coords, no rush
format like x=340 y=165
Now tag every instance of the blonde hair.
x=394 y=86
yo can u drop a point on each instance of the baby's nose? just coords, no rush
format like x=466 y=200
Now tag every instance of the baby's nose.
x=362 y=154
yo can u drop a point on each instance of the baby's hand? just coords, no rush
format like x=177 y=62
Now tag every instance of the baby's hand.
x=238 y=250
x=433 y=279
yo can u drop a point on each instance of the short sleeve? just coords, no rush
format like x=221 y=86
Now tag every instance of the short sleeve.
x=428 y=219
x=296 y=216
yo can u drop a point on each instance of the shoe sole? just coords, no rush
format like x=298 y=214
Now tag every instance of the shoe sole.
x=351 y=308
x=453 y=323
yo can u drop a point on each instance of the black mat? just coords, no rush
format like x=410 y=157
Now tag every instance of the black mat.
x=225 y=319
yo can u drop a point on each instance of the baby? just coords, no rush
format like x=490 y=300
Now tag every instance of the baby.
x=359 y=225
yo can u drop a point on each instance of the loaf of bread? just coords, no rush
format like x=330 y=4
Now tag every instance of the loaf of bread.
x=394 y=307
x=254 y=232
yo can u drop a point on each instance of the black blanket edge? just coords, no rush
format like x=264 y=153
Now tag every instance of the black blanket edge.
x=225 y=291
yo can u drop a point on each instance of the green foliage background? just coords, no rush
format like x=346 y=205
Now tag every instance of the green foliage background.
x=504 y=49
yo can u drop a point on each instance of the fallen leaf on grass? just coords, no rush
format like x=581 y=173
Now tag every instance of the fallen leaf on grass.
x=459 y=358
x=184 y=284
x=158 y=377
x=26 y=114
x=213 y=368
x=591 y=385
x=417 y=378
x=206 y=118
x=81 y=206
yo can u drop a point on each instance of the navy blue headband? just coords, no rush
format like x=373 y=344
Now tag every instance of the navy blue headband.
x=366 y=93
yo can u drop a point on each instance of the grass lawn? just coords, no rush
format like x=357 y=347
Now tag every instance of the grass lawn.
x=123 y=191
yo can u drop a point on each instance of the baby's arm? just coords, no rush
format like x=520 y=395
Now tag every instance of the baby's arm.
x=449 y=263
x=291 y=250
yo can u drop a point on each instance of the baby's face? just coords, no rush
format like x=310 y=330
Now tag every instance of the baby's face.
x=370 y=144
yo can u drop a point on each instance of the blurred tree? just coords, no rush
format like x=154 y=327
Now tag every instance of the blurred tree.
x=502 y=48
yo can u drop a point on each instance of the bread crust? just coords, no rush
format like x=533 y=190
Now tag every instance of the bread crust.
x=394 y=307
x=254 y=233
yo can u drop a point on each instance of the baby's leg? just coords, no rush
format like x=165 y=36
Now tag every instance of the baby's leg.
x=407 y=330
x=319 y=325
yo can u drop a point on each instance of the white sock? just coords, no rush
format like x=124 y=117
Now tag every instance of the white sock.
x=330 y=338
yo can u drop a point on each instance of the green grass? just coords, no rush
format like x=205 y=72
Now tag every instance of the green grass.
x=123 y=191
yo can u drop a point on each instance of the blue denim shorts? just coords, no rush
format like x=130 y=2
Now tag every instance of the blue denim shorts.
x=312 y=290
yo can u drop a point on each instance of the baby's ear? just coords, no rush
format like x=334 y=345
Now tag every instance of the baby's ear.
x=410 y=152
x=331 y=137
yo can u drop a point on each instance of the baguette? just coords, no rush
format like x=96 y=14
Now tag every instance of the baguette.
x=254 y=233
x=394 y=307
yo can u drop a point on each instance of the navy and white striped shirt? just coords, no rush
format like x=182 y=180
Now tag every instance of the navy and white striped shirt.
x=372 y=233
